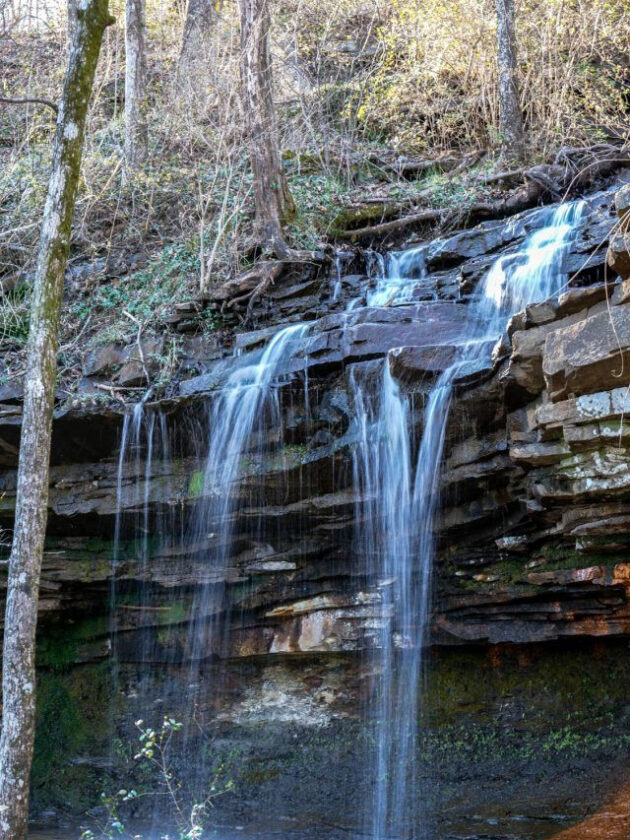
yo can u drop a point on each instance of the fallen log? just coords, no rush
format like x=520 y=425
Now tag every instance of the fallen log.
x=358 y=216
x=522 y=199
x=429 y=215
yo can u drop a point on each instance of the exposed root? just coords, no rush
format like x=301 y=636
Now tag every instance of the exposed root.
x=250 y=284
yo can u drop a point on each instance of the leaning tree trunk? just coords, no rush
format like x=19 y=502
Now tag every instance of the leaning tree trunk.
x=274 y=204
x=201 y=16
x=136 y=132
x=510 y=116
x=18 y=676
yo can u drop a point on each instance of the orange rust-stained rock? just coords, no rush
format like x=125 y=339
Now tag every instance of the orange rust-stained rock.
x=621 y=573
x=611 y=823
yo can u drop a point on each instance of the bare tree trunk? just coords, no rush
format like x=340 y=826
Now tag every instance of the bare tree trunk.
x=201 y=16
x=510 y=116
x=274 y=204
x=18 y=676
x=72 y=24
x=136 y=132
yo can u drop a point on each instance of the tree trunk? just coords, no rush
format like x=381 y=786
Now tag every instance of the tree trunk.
x=72 y=6
x=18 y=677
x=510 y=117
x=136 y=133
x=274 y=204
x=201 y=16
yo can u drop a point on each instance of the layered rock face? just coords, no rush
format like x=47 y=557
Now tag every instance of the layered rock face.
x=544 y=481
x=535 y=487
x=535 y=523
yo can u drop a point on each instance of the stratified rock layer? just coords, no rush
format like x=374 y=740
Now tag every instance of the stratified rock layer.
x=536 y=493
x=534 y=534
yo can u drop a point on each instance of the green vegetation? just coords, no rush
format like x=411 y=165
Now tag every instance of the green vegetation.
x=196 y=483
x=58 y=647
x=72 y=722
x=513 y=569
x=146 y=293
x=155 y=769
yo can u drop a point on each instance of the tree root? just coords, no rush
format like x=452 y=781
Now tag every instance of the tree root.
x=250 y=284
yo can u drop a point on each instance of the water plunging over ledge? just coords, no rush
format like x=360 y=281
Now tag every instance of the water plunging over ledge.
x=238 y=417
x=396 y=484
x=396 y=530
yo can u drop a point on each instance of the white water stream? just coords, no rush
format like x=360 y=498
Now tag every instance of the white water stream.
x=395 y=480
x=397 y=526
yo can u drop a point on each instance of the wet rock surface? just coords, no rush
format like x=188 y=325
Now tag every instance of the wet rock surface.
x=535 y=438
x=534 y=535
x=515 y=742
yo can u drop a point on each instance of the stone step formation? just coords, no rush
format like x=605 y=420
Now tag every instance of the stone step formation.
x=283 y=558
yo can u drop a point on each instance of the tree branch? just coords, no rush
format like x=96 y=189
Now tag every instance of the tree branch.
x=30 y=101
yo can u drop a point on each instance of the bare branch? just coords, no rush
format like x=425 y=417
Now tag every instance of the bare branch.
x=34 y=100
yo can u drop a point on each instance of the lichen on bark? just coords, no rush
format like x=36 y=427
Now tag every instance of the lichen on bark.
x=510 y=117
x=136 y=131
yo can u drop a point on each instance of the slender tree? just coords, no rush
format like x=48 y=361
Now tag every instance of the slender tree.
x=72 y=6
x=274 y=204
x=201 y=17
x=510 y=117
x=18 y=674
x=136 y=131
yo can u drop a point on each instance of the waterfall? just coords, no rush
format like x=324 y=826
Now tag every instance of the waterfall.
x=241 y=417
x=246 y=409
x=394 y=273
x=396 y=524
x=144 y=439
x=396 y=488
x=382 y=473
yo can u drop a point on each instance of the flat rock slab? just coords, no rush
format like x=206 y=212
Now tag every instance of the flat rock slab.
x=371 y=332
x=344 y=338
x=589 y=356
x=411 y=365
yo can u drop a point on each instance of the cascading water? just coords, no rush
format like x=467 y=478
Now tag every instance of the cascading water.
x=244 y=421
x=144 y=442
x=240 y=418
x=382 y=474
x=396 y=485
x=396 y=525
x=393 y=275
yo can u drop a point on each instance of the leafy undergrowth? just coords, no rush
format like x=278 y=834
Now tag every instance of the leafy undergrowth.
x=137 y=249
